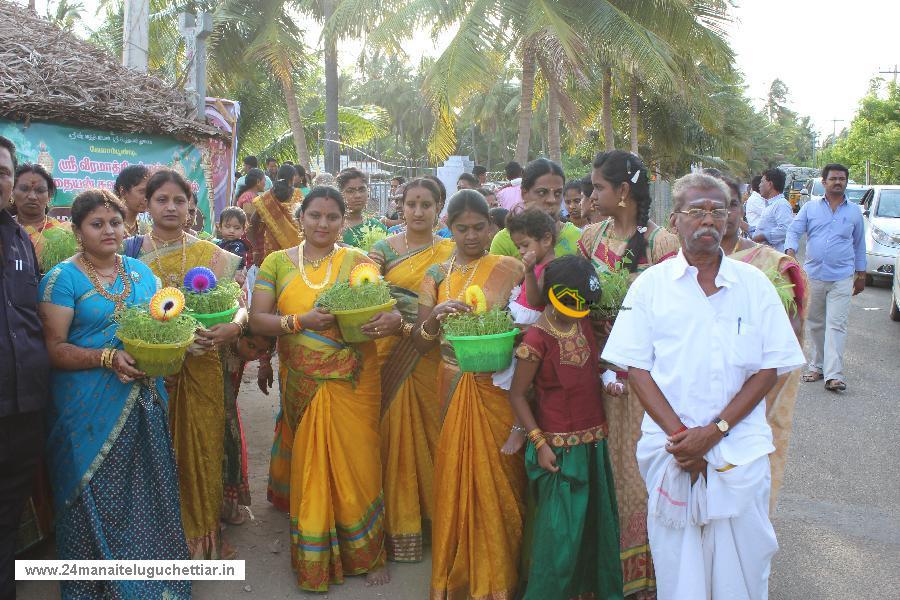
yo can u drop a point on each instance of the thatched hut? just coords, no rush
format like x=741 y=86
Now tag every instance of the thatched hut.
x=99 y=114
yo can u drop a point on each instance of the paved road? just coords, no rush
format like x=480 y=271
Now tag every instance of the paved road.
x=838 y=518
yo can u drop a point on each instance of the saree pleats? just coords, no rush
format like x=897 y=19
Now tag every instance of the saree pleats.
x=410 y=412
x=576 y=531
x=478 y=497
x=197 y=421
x=325 y=464
x=337 y=510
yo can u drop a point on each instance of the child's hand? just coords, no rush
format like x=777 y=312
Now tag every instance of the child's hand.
x=546 y=459
x=240 y=277
x=514 y=443
x=529 y=258
x=616 y=388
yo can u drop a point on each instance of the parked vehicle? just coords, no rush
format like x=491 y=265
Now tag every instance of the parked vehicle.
x=895 y=292
x=881 y=209
x=813 y=189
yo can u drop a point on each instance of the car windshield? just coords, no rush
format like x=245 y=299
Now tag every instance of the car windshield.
x=817 y=189
x=854 y=195
x=798 y=185
x=889 y=204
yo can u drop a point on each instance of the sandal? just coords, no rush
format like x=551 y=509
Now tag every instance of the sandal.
x=811 y=376
x=835 y=385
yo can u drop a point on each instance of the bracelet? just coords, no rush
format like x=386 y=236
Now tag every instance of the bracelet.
x=539 y=443
x=428 y=337
x=296 y=325
x=407 y=329
x=681 y=429
x=517 y=429
x=535 y=435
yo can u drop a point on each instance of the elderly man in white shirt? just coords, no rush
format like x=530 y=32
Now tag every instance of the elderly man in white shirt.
x=704 y=338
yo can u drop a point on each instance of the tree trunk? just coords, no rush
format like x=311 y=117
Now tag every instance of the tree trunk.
x=553 y=125
x=332 y=149
x=609 y=137
x=297 y=130
x=525 y=110
x=633 y=114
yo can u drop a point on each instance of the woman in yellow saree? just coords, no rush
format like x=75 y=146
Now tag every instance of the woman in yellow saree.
x=781 y=399
x=325 y=464
x=478 y=492
x=196 y=394
x=410 y=411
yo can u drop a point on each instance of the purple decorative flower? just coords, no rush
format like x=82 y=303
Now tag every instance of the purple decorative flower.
x=199 y=280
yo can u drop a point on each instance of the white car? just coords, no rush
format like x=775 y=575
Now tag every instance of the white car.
x=895 y=292
x=881 y=210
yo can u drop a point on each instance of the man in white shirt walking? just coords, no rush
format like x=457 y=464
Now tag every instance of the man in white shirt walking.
x=756 y=204
x=704 y=338
x=778 y=214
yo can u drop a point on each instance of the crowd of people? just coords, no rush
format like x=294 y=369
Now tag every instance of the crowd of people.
x=633 y=457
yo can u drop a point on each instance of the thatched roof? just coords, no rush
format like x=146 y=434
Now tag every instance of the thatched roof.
x=47 y=74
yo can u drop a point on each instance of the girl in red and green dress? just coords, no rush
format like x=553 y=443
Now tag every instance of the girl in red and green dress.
x=575 y=543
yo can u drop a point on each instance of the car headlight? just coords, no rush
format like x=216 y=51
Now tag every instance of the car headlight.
x=884 y=238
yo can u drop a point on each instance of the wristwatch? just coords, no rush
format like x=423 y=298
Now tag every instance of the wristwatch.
x=723 y=426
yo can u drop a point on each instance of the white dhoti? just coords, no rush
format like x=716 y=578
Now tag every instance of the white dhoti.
x=711 y=540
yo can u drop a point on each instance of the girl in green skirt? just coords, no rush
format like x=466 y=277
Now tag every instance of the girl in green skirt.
x=575 y=544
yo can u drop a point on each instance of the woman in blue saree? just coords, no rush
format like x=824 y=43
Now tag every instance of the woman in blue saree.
x=112 y=468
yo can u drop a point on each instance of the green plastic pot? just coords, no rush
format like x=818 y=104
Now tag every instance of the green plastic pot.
x=157 y=360
x=483 y=353
x=210 y=319
x=350 y=321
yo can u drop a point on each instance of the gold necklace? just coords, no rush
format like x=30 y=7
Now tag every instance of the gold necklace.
x=463 y=269
x=173 y=280
x=131 y=231
x=560 y=334
x=302 y=268
x=406 y=243
x=318 y=262
x=117 y=299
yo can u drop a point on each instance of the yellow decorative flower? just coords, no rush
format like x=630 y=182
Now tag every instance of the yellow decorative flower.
x=166 y=304
x=475 y=298
x=364 y=273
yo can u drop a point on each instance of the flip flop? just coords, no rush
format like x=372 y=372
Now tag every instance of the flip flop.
x=835 y=385
x=810 y=376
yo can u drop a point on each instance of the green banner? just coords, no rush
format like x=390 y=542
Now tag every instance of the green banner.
x=80 y=158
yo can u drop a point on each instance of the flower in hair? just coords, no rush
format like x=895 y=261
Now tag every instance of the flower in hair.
x=642 y=229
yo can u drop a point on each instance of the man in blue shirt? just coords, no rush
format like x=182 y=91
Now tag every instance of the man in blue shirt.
x=836 y=266
x=777 y=215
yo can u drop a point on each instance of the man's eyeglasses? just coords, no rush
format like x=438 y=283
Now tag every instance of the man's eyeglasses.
x=718 y=214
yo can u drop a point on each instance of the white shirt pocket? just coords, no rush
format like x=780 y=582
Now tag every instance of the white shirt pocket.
x=746 y=348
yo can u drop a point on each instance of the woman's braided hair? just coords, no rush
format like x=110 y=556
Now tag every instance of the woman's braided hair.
x=620 y=167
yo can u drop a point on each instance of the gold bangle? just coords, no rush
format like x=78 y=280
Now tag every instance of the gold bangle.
x=296 y=325
x=286 y=324
x=535 y=434
x=112 y=358
x=104 y=358
x=539 y=443
x=428 y=337
x=407 y=329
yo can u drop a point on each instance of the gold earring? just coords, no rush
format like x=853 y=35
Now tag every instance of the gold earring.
x=78 y=245
x=622 y=202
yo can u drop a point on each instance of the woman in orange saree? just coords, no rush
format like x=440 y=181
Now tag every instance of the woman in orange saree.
x=781 y=399
x=478 y=492
x=196 y=393
x=325 y=467
x=410 y=411
x=627 y=239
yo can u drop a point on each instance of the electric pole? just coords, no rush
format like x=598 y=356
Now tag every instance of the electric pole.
x=136 y=35
x=894 y=73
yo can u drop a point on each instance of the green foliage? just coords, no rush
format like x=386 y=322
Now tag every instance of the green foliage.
x=614 y=285
x=342 y=296
x=219 y=299
x=59 y=244
x=492 y=321
x=135 y=323
x=369 y=236
x=874 y=135
x=785 y=289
